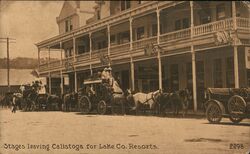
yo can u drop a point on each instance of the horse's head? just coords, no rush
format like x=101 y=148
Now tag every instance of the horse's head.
x=127 y=92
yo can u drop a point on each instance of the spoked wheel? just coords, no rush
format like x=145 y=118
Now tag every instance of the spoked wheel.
x=236 y=108
x=102 y=107
x=84 y=105
x=214 y=113
x=235 y=118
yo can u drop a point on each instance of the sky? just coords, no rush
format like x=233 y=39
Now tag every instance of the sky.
x=28 y=22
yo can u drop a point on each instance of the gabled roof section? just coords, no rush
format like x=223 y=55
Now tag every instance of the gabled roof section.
x=69 y=8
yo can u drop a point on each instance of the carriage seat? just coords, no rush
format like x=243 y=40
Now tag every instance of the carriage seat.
x=219 y=91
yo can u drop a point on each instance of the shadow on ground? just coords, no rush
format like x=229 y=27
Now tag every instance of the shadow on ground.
x=230 y=124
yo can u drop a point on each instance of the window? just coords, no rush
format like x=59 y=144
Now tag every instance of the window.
x=220 y=11
x=99 y=45
x=125 y=5
x=81 y=49
x=177 y=24
x=217 y=73
x=98 y=15
x=205 y=16
x=185 y=23
x=112 y=39
x=140 y=33
x=125 y=37
x=230 y=72
x=154 y=29
x=68 y=25
x=139 y=2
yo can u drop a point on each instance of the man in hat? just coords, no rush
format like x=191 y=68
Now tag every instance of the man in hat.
x=110 y=77
x=14 y=103
x=104 y=75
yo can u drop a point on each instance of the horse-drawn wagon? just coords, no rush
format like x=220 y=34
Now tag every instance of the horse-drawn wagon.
x=233 y=103
x=100 y=96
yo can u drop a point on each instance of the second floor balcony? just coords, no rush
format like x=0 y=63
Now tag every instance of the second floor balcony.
x=125 y=38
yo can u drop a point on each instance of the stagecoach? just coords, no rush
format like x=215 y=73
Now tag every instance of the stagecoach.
x=99 y=96
x=233 y=103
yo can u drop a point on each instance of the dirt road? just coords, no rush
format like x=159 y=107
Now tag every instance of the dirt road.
x=69 y=133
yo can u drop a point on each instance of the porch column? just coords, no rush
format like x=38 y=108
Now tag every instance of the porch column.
x=108 y=29
x=49 y=56
x=61 y=72
x=74 y=49
x=90 y=53
x=131 y=58
x=193 y=59
x=194 y=78
x=49 y=83
x=61 y=49
x=158 y=53
x=75 y=76
x=38 y=58
x=236 y=64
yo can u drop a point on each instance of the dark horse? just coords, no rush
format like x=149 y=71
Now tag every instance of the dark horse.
x=54 y=103
x=29 y=99
x=70 y=101
x=175 y=102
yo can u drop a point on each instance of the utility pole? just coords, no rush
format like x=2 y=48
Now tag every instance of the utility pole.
x=8 y=65
x=8 y=59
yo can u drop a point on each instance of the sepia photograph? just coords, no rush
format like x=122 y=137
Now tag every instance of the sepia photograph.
x=124 y=77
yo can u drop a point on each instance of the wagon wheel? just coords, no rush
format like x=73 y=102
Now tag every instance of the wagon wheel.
x=102 y=107
x=236 y=107
x=84 y=105
x=214 y=113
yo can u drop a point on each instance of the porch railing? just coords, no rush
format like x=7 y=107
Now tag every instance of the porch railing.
x=116 y=50
x=243 y=22
x=213 y=27
x=43 y=66
x=82 y=57
x=143 y=42
x=55 y=64
x=180 y=34
x=96 y=54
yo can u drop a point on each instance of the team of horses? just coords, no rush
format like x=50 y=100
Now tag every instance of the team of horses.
x=159 y=102
x=156 y=102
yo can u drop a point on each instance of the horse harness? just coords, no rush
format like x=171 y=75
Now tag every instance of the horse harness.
x=152 y=98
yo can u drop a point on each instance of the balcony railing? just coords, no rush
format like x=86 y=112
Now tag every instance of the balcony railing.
x=243 y=22
x=143 y=42
x=83 y=57
x=121 y=49
x=55 y=64
x=213 y=27
x=180 y=34
x=117 y=50
x=95 y=55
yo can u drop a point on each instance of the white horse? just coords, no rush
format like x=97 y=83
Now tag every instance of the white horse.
x=144 y=99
